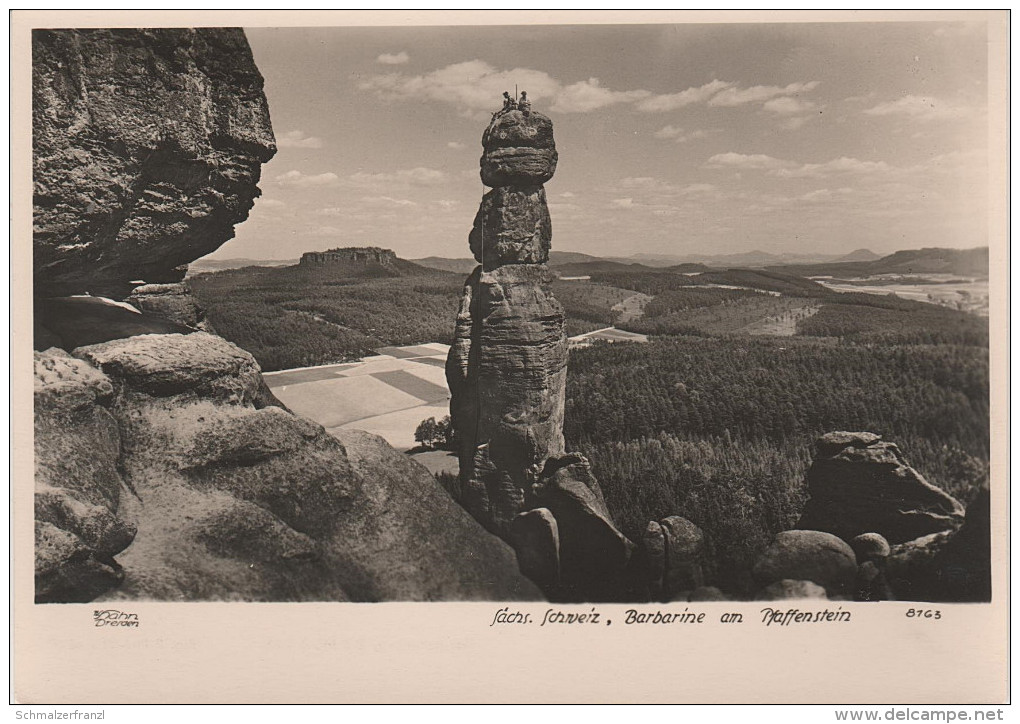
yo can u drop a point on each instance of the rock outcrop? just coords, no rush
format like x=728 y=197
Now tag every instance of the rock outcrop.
x=349 y=255
x=197 y=489
x=78 y=486
x=173 y=302
x=507 y=376
x=672 y=552
x=859 y=483
x=148 y=146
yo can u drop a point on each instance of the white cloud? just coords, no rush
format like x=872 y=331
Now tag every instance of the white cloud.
x=669 y=132
x=656 y=209
x=788 y=106
x=296 y=178
x=264 y=203
x=474 y=85
x=922 y=108
x=745 y=161
x=647 y=184
x=393 y=58
x=839 y=165
x=298 y=139
x=419 y=176
x=330 y=211
x=793 y=122
x=568 y=194
x=758 y=93
x=386 y=201
x=589 y=95
x=678 y=134
x=698 y=188
x=672 y=101
x=791 y=169
x=456 y=145
x=563 y=208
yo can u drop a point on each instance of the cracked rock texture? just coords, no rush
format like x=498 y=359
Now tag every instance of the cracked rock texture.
x=519 y=150
x=147 y=145
x=165 y=473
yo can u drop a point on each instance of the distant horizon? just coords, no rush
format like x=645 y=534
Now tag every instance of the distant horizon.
x=679 y=140
x=467 y=254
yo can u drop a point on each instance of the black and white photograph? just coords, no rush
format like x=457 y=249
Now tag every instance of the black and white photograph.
x=658 y=317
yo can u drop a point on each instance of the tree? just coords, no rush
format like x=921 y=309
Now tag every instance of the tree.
x=427 y=433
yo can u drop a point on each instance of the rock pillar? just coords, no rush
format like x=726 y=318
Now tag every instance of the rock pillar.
x=507 y=366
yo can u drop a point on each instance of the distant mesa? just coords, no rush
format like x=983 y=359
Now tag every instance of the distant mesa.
x=348 y=255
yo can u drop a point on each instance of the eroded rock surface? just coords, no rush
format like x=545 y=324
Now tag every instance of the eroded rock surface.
x=512 y=226
x=507 y=365
x=173 y=302
x=78 y=489
x=507 y=377
x=232 y=498
x=147 y=147
x=519 y=150
x=859 y=483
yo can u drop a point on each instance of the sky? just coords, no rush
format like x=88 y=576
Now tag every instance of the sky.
x=672 y=139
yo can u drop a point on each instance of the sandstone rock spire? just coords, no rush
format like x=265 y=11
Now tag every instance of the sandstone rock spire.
x=507 y=366
x=507 y=373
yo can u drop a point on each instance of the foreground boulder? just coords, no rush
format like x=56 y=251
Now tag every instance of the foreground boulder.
x=78 y=486
x=808 y=555
x=123 y=189
x=235 y=499
x=859 y=483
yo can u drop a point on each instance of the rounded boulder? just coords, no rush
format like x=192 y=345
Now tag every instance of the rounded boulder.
x=808 y=555
x=519 y=150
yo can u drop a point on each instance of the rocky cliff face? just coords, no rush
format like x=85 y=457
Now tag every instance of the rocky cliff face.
x=147 y=146
x=165 y=469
